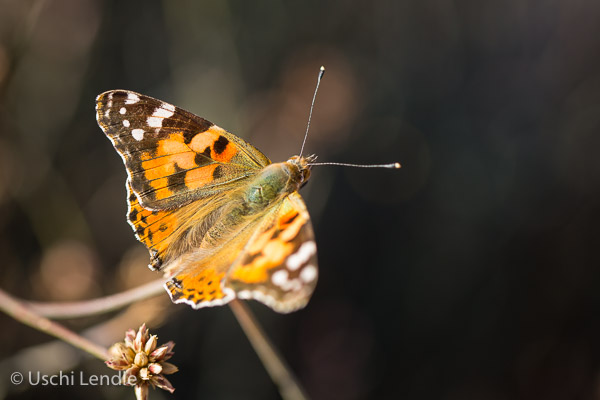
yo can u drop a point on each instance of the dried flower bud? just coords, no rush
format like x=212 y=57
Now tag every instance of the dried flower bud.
x=151 y=344
x=141 y=359
x=155 y=368
x=143 y=362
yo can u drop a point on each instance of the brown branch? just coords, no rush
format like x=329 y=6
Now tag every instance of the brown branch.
x=99 y=305
x=278 y=370
x=34 y=314
x=24 y=314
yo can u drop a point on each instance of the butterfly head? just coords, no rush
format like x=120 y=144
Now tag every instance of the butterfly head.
x=301 y=167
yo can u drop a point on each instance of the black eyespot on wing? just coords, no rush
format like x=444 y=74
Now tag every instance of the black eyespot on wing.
x=220 y=145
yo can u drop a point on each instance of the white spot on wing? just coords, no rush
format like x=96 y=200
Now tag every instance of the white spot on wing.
x=154 y=122
x=302 y=255
x=165 y=111
x=122 y=110
x=159 y=114
x=132 y=98
x=308 y=273
x=280 y=277
x=138 y=134
x=126 y=123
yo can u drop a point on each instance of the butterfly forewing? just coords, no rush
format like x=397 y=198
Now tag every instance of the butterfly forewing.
x=153 y=228
x=172 y=156
x=278 y=264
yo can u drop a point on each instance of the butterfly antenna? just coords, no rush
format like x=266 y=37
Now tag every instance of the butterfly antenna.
x=391 y=165
x=321 y=72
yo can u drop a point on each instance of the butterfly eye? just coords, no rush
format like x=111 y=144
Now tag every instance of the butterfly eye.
x=305 y=175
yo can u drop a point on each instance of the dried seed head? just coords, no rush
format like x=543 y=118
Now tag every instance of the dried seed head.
x=143 y=362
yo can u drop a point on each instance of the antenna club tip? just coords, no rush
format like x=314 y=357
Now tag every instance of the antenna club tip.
x=322 y=68
x=397 y=165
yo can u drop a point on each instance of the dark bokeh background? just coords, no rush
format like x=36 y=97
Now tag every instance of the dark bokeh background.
x=471 y=273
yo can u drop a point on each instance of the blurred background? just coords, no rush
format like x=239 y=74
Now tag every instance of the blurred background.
x=471 y=273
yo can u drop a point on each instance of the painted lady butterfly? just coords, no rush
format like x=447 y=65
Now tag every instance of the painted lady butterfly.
x=218 y=217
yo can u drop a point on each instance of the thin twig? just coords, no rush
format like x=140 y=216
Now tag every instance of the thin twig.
x=24 y=314
x=34 y=314
x=99 y=305
x=280 y=372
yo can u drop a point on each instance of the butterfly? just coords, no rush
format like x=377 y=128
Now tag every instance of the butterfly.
x=218 y=218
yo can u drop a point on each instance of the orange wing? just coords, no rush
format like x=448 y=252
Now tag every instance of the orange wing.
x=278 y=264
x=173 y=157
x=153 y=228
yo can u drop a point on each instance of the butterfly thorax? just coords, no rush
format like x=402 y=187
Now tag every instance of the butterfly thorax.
x=274 y=182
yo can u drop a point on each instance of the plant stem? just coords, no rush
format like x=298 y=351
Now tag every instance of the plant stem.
x=24 y=314
x=99 y=305
x=34 y=314
x=278 y=370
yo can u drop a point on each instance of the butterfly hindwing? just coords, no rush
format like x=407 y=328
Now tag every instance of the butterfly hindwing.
x=198 y=278
x=173 y=157
x=279 y=264
x=200 y=287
